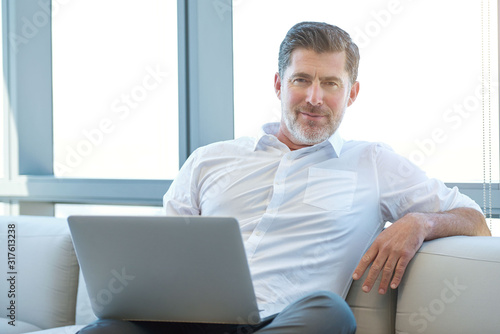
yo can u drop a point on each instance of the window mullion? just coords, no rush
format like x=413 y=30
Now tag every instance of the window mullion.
x=209 y=115
x=30 y=87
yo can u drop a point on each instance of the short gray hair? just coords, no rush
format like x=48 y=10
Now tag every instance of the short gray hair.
x=319 y=37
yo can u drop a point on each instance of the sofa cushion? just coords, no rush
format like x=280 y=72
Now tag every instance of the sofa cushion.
x=44 y=274
x=20 y=327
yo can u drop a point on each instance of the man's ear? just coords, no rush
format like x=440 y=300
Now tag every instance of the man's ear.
x=277 y=85
x=353 y=94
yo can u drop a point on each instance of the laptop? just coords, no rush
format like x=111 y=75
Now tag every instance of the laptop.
x=179 y=269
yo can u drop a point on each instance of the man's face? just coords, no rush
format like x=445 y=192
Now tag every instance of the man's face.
x=315 y=91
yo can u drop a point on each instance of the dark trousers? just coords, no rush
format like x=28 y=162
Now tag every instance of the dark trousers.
x=317 y=313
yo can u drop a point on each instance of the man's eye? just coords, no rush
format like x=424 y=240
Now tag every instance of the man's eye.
x=299 y=81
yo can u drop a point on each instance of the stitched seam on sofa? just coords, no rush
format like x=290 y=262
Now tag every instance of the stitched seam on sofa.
x=458 y=257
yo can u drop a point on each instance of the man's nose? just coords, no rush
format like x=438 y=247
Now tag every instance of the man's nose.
x=315 y=94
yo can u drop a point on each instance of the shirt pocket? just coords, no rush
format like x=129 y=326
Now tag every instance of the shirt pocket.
x=331 y=190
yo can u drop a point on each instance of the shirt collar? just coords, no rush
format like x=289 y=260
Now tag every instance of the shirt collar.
x=269 y=131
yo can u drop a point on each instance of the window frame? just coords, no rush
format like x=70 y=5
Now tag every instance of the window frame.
x=205 y=52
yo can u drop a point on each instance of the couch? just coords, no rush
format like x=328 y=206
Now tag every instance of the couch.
x=451 y=286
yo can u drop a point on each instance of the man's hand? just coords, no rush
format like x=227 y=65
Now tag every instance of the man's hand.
x=391 y=252
x=393 y=249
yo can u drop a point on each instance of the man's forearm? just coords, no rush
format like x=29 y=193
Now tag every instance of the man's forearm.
x=460 y=221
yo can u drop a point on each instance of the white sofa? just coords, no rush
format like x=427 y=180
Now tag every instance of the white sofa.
x=452 y=286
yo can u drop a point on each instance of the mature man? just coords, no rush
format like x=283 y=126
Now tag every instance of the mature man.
x=312 y=206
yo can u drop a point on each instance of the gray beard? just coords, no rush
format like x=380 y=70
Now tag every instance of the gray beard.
x=309 y=134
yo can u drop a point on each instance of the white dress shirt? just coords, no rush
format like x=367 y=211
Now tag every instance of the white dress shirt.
x=306 y=216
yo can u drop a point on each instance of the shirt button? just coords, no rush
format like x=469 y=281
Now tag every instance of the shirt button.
x=258 y=233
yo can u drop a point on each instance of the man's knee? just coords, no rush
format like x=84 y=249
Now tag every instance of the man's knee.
x=317 y=313
x=333 y=309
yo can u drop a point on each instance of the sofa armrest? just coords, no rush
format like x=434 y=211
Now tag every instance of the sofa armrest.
x=44 y=274
x=451 y=286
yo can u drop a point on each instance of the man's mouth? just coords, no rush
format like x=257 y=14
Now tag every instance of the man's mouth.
x=312 y=115
x=309 y=115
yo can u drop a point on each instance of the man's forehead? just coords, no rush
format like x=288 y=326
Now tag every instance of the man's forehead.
x=303 y=60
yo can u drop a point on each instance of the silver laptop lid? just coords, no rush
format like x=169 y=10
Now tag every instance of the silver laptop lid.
x=183 y=268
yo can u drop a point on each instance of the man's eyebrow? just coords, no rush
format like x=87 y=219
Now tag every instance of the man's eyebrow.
x=331 y=78
x=301 y=75
x=308 y=76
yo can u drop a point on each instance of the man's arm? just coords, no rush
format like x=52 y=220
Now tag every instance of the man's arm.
x=182 y=197
x=393 y=249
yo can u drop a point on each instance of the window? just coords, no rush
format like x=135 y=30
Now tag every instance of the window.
x=420 y=76
x=79 y=136
x=494 y=224
x=110 y=141
x=115 y=94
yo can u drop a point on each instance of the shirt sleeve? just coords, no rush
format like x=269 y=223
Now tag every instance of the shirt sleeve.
x=405 y=188
x=182 y=196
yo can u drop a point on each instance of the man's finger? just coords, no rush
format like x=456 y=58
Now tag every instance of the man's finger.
x=399 y=271
x=377 y=266
x=363 y=264
x=387 y=274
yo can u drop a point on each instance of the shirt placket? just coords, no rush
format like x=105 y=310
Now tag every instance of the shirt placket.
x=273 y=207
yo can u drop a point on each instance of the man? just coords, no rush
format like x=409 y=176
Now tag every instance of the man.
x=311 y=206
